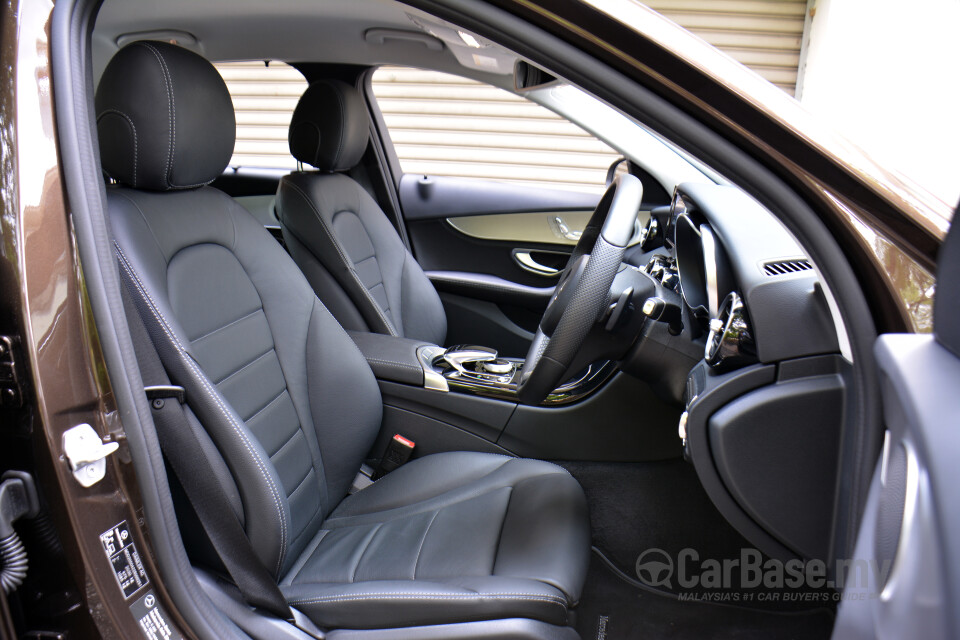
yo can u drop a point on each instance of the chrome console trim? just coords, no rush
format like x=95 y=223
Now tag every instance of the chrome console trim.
x=438 y=377
x=431 y=377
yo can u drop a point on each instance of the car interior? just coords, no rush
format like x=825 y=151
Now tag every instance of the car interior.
x=425 y=432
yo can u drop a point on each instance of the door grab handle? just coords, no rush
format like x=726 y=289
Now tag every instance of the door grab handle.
x=527 y=263
x=565 y=230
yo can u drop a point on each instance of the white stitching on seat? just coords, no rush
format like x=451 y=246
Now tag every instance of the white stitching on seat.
x=275 y=494
x=194 y=341
x=346 y=261
x=171 y=105
x=171 y=98
x=136 y=152
x=395 y=513
x=405 y=365
x=247 y=366
x=434 y=596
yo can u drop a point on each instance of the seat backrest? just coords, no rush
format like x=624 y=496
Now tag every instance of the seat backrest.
x=349 y=251
x=282 y=398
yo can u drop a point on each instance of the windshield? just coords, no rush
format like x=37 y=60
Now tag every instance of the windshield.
x=875 y=87
x=666 y=162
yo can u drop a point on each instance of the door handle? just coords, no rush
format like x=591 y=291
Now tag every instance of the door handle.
x=565 y=230
x=527 y=263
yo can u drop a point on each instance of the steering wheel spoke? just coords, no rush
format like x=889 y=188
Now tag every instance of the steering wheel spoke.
x=583 y=292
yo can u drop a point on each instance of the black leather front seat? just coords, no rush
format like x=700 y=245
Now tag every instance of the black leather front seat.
x=339 y=236
x=287 y=404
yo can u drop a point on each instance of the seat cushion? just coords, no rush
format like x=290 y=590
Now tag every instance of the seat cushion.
x=450 y=537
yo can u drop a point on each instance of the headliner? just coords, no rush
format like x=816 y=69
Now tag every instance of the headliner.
x=329 y=31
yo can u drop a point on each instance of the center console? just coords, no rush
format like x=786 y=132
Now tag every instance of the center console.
x=466 y=369
x=465 y=399
x=479 y=371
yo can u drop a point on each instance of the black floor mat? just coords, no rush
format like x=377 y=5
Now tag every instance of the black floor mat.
x=649 y=506
x=612 y=609
x=662 y=505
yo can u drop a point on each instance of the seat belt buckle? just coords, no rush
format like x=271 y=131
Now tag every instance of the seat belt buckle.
x=398 y=452
x=157 y=394
x=363 y=480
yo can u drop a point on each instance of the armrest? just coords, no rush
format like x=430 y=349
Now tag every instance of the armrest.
x=391 y=358
x=493 y=288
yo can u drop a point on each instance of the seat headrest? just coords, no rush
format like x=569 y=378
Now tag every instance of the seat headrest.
x=329 y=129
x=164 y=118
x=946 y=301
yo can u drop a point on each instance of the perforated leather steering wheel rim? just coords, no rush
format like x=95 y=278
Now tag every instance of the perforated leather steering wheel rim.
x=604 y=240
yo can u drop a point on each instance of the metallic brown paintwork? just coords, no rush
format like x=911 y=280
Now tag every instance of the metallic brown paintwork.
x=59 y=340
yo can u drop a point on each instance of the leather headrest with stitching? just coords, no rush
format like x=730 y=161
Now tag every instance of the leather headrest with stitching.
x=164 y=118
x=329 y=129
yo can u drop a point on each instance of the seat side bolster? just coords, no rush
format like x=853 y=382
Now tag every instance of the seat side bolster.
x=424 y=317
x=255 y=476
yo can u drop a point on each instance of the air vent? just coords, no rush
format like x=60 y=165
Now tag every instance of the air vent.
x=783 y=267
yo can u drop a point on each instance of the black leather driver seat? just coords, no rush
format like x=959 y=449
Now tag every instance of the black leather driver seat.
x=338 y=235
x=287 y=405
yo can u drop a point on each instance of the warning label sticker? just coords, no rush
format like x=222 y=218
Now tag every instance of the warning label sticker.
x=152 y=618
x=127 y=568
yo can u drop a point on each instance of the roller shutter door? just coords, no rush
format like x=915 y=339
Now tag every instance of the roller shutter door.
x=446 y=125
x=764 y=35
x=264 y=99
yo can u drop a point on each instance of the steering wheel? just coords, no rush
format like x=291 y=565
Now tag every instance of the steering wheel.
x=583 y=292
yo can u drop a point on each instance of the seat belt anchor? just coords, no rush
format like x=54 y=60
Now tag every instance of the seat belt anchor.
x=157 y=394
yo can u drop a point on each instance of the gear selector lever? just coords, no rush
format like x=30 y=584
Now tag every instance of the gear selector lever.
x=461 y=354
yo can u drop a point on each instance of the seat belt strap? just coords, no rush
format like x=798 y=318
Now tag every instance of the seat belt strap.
x=184 y=453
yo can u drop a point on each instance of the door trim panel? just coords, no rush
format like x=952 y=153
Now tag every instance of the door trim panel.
x=543 y=227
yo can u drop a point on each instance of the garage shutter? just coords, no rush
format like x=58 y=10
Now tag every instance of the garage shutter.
x=446 y=125
x=264 y=99
x=442 y=124
x=765 y=35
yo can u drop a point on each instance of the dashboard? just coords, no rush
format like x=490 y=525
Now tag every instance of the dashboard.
x=748 y=291
x=750 y=350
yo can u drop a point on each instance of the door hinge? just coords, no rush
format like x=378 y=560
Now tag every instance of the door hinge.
x=11 y=391
x=87 y=454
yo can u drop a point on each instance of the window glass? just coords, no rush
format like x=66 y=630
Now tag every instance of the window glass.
x=445 y=125
x=264 y=98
